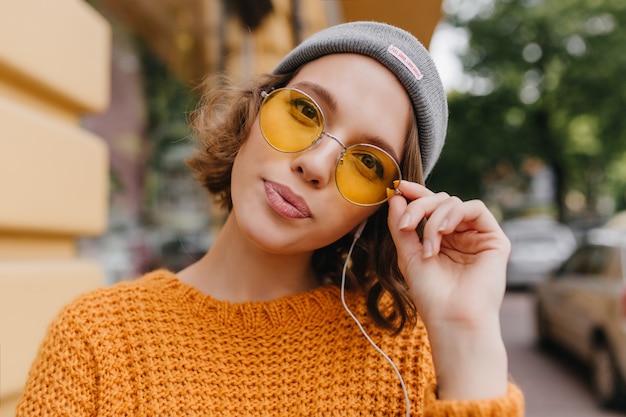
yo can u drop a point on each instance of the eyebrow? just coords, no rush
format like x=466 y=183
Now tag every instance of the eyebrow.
x=329 y=101
x=322 y=94
x=381 y=143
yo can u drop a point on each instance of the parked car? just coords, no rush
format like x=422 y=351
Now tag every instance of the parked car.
x=539 y=244
x=582 y=308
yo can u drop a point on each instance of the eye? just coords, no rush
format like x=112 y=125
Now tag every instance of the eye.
x=370 y=166
x=305 y=111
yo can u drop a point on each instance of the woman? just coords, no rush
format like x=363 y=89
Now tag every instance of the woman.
x=319 y=297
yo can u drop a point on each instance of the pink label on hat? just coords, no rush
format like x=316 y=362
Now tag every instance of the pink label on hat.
x=406 y=61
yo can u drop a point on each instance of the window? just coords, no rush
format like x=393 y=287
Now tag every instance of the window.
x=588 y=260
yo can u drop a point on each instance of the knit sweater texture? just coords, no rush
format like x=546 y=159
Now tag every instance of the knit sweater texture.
x=157 y=347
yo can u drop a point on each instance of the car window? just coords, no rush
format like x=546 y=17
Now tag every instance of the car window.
x=578 y=263
x=590 y=260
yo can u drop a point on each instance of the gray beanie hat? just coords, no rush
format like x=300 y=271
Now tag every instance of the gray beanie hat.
x=402 y=54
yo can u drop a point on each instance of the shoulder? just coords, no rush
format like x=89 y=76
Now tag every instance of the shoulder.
x=147 y=286
x=117 y=302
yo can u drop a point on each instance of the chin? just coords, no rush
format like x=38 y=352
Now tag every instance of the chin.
x=277 y=242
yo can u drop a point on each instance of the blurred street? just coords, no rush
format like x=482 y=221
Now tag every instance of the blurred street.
x=555 y=385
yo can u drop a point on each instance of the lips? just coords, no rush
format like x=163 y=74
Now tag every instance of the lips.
x=285 y=202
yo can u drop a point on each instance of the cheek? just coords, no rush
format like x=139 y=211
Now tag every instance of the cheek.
x=243 y=169
x=251 y=152
x=241 y=162
x=346 y=219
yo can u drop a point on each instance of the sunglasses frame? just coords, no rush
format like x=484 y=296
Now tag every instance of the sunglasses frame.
x=345 y=149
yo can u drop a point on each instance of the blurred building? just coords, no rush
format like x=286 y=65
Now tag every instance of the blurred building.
x=54 y=67
x=245 y=37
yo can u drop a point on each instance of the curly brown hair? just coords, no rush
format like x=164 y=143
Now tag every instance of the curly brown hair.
x=221 y=123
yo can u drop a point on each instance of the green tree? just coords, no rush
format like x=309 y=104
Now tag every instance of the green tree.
x=547 y=81
x=169 y=103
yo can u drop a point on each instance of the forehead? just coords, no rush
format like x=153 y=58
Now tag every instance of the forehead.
x=355 y=69
x=358 y=93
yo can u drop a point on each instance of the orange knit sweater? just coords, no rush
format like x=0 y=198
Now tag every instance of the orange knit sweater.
x=157 y=347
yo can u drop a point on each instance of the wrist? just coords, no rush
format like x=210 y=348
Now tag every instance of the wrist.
x=470 y=363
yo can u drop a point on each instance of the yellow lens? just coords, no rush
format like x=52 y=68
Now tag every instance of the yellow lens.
x=364 y=173
x=290 y=120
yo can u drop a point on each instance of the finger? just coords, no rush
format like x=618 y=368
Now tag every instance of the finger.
x=445 y=215
x=413 y=190
x=442 y=221
x=407 y=242
x=420 y=209
x=472 y=215
x=435 y=208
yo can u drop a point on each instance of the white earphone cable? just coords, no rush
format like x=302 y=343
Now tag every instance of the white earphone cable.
x=369 y=339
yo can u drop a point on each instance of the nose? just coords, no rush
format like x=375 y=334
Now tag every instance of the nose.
x=317 y=164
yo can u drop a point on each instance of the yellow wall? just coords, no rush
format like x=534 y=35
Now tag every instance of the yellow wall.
x=54 y=67
x=417 y=16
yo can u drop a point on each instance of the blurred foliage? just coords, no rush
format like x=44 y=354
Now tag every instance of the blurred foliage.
x=545 y=79
x=169 y=102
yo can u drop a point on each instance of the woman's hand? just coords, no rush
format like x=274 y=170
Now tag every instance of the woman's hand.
x=456 y=277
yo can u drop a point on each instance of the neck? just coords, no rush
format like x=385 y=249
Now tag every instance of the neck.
x=237 y=270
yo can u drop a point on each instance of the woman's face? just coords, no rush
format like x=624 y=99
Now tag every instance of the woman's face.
x=288 y=202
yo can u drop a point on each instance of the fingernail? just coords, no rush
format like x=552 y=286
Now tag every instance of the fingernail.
x=443 y=226
x=405 y=221
x=428 y=249
x=396 y=184
x=391 y=193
